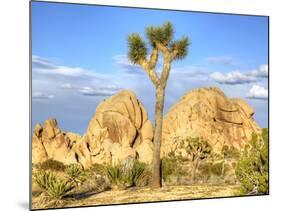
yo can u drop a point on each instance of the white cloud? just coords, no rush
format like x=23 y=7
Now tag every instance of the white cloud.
x=66 y=86
x=232 y=78
x=71 y=78
x=89 y=91
x=134 y=69
x=239 y=77
x=127 y=66
x=258 y=92
x=40 y=62
x=220 y=60
x=190 y=73
x=64 y=71
x=42 y=67
x=261 y=72
x=41 y=96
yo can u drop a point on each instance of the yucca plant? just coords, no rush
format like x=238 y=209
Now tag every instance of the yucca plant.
x=123 y=176
x=98 y=169
x=54 y=186
x=76 y=173
x=114 y=175
x=140 y=174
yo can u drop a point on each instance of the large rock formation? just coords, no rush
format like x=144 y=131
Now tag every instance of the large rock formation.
x=119 y=129
x=49 y=142
x=208 y=113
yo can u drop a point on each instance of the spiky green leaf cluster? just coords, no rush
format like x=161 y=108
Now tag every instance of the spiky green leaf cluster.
x=126 y=176
x=140 y=174
x=53 y=185
x=76 y=173
x=180 y=47
x=252 y=169
x=98 y=169
x=137 y=48
x=161 y=34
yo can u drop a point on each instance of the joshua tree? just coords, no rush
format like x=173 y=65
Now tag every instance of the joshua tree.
x=198 y=150
x=161 y=41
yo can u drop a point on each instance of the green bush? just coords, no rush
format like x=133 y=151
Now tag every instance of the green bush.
x=140 y=174
x=217 y=169
x=174 y=171
x=168 y=167
x=51 y=165
x=123 y=176
x=98 y=169
x=76 y=173
x=252 y=169
x=205 y=171
x=54 y=186
x=230 y=152
x=115 y=175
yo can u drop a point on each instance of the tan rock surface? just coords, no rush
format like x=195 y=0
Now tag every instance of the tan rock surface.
x=208 y=113
x=119 y=125
x=50 y=143
x=122 y=121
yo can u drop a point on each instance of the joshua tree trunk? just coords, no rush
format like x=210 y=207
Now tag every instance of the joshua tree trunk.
x=156 y=177
x=194 y=168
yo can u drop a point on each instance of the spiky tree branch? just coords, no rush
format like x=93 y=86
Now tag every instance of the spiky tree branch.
x=138 y=53
x=179 y=48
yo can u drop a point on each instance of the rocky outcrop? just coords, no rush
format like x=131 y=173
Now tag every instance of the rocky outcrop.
x=208 y=113
x=50 y=143
x=119 y=129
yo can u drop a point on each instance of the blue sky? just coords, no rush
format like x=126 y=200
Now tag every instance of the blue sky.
x=79 y=58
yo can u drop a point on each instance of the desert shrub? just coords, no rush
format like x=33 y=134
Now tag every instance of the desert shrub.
x=252 y=169
x=219 y=172
x=93 y=184
x=168 y=167
x=115 y=175
x=189 y=150
x=122 y=175
x=174 y=170
x=51 y=165
x=76 y=173
x=229 y=176
x=230 y=152
x=140 y=174
x=217 y=168
x=205 y=171
x=54 y=186
x=233 y=164
x=98 y=169
x=227 y=168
